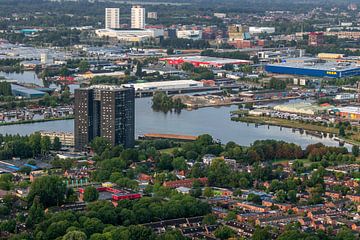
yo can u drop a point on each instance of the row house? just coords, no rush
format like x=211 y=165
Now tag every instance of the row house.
x=304 y=209
x=247 y=217
x=282 y=206
x=185 y=183
x=354 y=197
x=333 y=194
x=283 y=220
x=251 y=207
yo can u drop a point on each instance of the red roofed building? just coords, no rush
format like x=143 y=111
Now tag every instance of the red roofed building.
x=184 y=183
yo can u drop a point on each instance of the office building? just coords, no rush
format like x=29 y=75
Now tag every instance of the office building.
x=112 y=18
x=104 y=111
x=137 y=17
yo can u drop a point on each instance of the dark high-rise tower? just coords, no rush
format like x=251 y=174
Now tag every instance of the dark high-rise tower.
x=104 y=111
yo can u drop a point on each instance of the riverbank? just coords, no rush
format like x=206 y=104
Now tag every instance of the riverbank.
x=206 y=101
x=35 y=121
x=352 y=137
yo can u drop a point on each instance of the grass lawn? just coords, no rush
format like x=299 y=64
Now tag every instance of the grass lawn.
x=168 y=150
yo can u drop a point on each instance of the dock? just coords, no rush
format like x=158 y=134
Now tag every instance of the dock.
x=151 y=136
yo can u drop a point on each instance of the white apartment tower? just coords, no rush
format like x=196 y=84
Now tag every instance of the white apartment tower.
x=137 y=17
x=112 y=18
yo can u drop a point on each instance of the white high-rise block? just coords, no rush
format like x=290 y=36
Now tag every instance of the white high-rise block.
x=112 y=18
x=137 y=17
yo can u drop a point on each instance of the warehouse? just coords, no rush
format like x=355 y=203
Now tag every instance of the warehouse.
x=349 y=112
x=21 y=91
x=204 y=61
x=315 y=69
x=165 y=85
x=304 y=108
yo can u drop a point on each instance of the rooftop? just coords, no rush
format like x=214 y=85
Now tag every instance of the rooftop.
x=326 y=66
x=208 y=60
x=24 y=89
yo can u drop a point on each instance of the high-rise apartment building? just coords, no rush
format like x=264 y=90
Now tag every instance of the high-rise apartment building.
x=138 y=17
x=104 y=111
x=112 y=18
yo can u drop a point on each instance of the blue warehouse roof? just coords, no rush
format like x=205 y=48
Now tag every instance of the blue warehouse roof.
x=325 y=69
x=18 y=90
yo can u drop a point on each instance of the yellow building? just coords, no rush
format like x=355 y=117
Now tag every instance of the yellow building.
x=330 y=56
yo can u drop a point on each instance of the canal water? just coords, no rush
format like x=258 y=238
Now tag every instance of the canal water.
x=214 y=121
x=30 y=77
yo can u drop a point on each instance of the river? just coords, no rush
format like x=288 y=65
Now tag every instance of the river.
x=214 y=121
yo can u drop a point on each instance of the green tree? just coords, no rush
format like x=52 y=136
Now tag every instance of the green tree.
x=355 y=150
x=231 y=216
x=5 y=89
x=84 y=66
x=64 y=71
x=254 y=198
x=187 y=67
x=91 y=194
x=342 y=131
x=74 y=235
x=281 y=196
x=36 y=213
x=261 y=234
x=224 y=232
x=291 y=195
x=8 y=226
x=179 y=163
x=45 y=145
x=99 y=144
x=50 y=190
x=208 y=192
x=209 y=219
x=139 y=71
x=56 y=144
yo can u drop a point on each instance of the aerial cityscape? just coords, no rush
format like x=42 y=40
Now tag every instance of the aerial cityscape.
x=179 y=119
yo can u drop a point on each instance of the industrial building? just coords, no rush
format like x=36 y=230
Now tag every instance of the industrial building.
x=258 y=30
x=21 y=91
x=165 y=85
x=315 y=69
x=350 y=112
x=305 y=108
x=104 y=111
x=189 y=34
x=204 y=61
x=132 y=35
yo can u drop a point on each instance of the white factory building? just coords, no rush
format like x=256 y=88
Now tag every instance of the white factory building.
x=258 y=30
x=132 y=35
x=165 y=85
x=189 y=34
